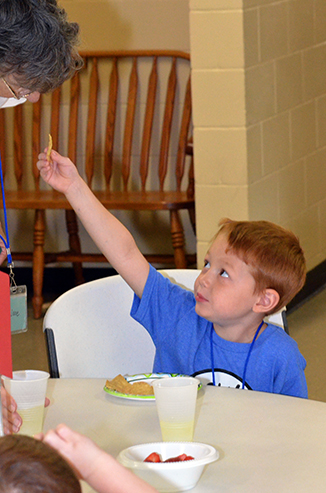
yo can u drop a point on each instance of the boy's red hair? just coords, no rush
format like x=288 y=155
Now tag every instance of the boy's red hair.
x=273 y=254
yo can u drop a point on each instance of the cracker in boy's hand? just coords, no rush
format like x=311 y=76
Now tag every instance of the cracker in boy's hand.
x=48 y=154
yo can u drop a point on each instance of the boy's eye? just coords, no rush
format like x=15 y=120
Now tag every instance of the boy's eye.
x=206 y=264
x=223 y=273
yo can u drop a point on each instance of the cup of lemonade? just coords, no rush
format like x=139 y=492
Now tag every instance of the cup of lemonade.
x=28 y=388
x=176 y=405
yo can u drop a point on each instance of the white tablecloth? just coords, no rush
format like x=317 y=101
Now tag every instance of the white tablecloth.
x=267 y=443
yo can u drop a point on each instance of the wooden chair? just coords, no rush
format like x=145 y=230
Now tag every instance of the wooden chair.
x=120 y=159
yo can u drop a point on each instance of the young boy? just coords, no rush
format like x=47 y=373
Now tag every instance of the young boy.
x=251 y=269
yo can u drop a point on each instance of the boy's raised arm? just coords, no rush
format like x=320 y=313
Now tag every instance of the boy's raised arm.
x=109 y=234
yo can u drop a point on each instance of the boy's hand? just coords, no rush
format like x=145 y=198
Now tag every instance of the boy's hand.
x=59 y=172
x=3 y=252
x=10 y=418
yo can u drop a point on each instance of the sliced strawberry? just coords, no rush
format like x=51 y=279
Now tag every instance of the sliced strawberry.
x=153 y=457
x=179 y=458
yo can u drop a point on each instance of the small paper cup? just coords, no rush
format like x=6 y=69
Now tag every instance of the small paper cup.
x=28 y=388
x=176 y=405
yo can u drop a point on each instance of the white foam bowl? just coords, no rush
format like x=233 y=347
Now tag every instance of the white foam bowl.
x=170 y=476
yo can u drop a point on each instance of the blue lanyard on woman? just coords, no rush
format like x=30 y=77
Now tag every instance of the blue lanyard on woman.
x=247 y=358
x=6 y=242
x=18 y=294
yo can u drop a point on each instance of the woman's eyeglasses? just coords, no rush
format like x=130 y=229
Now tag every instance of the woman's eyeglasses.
x=14 y=94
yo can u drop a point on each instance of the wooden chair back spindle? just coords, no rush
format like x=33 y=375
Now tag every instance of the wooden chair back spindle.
x=184 y=137
x=55 y=117
x=36 y=140
x=91 y=122
x=129 y=125
x=18 y=145
x=73 y=117
x=167 y=124
x=111 y=119
x=148 y=124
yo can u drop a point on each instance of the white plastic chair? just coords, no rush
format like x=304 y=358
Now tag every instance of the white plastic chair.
x=90 y=334
x=279 y=319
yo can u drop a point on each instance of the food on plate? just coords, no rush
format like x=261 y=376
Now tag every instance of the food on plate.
x=155 y=457
x=50 y=144
x=120 y=384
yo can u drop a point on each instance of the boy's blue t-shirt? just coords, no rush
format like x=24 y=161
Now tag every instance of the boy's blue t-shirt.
x=183 y=344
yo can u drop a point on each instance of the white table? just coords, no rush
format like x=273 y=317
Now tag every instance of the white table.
x=267 y=442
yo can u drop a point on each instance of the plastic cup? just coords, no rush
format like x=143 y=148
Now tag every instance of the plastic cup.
x=28 y=388
x=176 y=405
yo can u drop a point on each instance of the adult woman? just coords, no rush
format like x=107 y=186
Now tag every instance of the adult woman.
x=37 y=54
x=37 y=49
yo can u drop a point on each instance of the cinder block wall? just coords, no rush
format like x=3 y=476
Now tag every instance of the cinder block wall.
x=259 y=93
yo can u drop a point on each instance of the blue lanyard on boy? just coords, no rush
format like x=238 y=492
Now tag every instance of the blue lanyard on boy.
x=247 y=359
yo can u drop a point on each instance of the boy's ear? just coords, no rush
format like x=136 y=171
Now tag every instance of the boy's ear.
x=268 y=300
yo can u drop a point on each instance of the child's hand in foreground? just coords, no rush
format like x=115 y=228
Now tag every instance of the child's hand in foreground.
x=99 y=469
x=80 y=451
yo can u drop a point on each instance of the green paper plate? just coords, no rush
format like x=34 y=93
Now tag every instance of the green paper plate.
x=142 y=377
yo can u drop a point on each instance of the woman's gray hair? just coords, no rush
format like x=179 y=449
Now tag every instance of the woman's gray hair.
x=37 y=44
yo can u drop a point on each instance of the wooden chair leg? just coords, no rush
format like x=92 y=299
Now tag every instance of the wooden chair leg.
x=178 y=240
x=38 y=262
x=74 y=244
x=192 y=216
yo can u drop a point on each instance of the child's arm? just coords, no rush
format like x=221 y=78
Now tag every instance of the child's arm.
x=11 y=421
x=111 y=237
x=99 y=469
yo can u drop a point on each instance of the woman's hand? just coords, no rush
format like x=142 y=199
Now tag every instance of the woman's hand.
x=3 y=252
x=10 y=417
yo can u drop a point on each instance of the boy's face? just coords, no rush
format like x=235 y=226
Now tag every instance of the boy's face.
x=224 y=290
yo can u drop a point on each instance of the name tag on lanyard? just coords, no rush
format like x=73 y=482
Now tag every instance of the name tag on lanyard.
x=18 y=309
